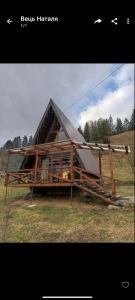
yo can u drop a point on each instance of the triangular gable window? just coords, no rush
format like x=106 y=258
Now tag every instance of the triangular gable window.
x=60 y=135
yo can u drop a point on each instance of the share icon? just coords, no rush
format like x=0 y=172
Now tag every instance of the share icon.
x=114 y=21
x=97 y=21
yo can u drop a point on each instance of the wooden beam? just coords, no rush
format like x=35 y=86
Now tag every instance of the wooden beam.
x=51 y=167
x=111 y=174
x=100 y=167
x=48 y=184
x=36 y=165
x=84 y=176
x=72 y=164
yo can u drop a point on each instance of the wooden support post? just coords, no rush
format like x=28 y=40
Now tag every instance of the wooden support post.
x=31 y=194
x=100 y=167
x=36 y=166
x=71 y=194
x=51 y=178
x=80 y=175
x=6 y=178
x=72 y=164
x=72 y=172
x=39 y=167
x=111 y=175
x=61 y=164
x=7 y=175
x=6 y=217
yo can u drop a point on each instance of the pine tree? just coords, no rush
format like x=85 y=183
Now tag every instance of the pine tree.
x=25 y=141
x=8 y=145
x=110 y=120
x=17 y=142
x=91 y=131
x=97 y=129
x=30 y=140
x=126 y=124
x=14 y=143
x=104 y=130
x=87 y=132
x=119 y=126
x=80 y=130
x=132 y=121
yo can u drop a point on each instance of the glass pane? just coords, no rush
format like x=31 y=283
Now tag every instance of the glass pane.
x=15 y=161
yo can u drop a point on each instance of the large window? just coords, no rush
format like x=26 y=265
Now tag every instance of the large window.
x=15 y=161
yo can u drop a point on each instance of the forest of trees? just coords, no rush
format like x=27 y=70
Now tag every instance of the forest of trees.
x=99 y=130
x=102 y=129
x=18 y=142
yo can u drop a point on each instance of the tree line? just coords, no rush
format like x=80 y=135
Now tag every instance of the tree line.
x=18 y=142
x=102 y=129
x=99 y=130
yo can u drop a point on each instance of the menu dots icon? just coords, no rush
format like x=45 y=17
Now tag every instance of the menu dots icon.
x=128 y=21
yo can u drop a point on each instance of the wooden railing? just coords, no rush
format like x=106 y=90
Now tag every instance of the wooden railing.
x=86 y=177
x=45 y=177
x=27 y=177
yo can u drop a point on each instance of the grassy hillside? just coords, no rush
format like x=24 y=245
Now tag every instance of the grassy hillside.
x=123 y=164
x=56 y=219
x=126 y=138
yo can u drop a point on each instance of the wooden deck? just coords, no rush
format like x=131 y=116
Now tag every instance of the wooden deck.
x=57 y=174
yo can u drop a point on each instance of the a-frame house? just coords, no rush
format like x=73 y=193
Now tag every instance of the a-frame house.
x=59 y=157
x=55 y=126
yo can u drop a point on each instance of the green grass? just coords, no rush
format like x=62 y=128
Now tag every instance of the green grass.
x=59 y=220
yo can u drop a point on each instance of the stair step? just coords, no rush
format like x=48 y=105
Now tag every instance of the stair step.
x=98 y=189
x=107 y=195
x=101 y=192
x=95 y=194
x=92 y=186
x=118 y=197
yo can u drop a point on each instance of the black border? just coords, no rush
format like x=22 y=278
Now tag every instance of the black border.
x=31 y=270
x=74 y=39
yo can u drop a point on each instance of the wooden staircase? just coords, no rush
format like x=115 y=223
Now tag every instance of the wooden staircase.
x=91 y=185
x=97 y=193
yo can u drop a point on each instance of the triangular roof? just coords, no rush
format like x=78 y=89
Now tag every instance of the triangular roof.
x=68 y=128
x=85 y=157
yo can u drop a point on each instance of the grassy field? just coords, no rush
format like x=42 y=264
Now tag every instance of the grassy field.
x=126 y=138
x=56 y=219
x=59 y=220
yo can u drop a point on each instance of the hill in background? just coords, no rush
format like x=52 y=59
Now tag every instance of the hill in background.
x=126 y=138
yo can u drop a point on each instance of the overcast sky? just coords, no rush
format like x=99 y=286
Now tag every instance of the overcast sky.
x=82 y=91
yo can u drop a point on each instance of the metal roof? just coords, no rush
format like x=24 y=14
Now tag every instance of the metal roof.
x=87 y=160
x=70 y=131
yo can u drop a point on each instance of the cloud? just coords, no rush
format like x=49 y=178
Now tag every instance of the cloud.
x=125 y=74
x=25 y=90
x=118 y=102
